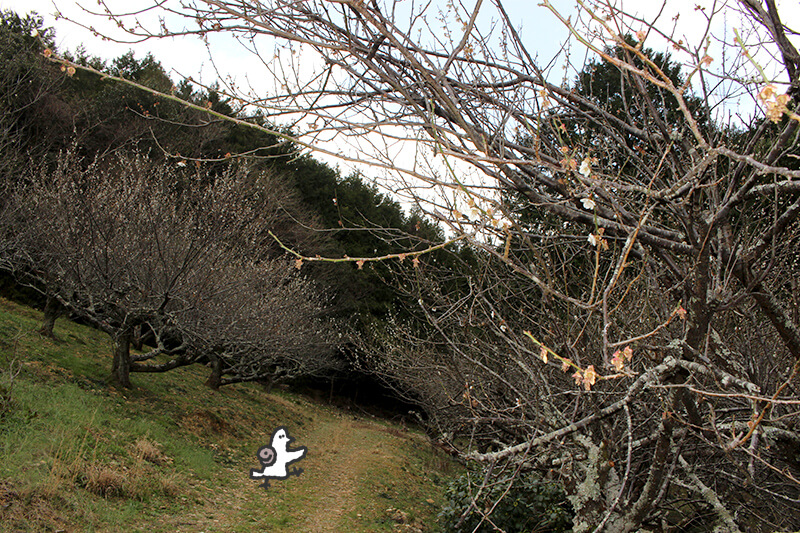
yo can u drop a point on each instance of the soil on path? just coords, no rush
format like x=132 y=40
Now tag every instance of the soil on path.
x=359 y=475
x=344 y=459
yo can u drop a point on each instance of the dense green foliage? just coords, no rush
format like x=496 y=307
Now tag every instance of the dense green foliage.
x=528 y=505
x=29 y=116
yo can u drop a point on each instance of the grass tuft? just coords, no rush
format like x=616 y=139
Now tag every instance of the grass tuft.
x=150 y=451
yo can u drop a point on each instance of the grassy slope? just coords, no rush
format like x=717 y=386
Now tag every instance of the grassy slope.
x=172 y=455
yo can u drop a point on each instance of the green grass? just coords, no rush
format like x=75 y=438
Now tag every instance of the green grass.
x=172 y=455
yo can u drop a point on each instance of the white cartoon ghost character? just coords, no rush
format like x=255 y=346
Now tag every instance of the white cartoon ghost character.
x=276 y=458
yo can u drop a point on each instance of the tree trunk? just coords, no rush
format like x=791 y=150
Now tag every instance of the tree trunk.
x=52 y=311
x=592 y=495
x=121 y=367
x=267 y=383
x=215 y=379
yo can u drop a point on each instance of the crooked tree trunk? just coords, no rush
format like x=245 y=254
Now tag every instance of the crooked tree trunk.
x=121 y=367
x=591 y=495
x=267 y=383
x=52 y=311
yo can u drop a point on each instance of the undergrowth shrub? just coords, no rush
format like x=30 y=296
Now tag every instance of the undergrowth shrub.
x=530 y=505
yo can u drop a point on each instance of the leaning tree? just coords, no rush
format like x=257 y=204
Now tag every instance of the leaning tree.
x=632 y=327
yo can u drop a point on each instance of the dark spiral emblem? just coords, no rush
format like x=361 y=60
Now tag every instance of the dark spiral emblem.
x=266 y=455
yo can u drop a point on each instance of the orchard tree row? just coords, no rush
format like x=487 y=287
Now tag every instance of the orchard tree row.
x=162 y=225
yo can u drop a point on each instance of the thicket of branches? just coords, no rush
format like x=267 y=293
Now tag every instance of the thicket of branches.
x=176 y=255
x=630 y=326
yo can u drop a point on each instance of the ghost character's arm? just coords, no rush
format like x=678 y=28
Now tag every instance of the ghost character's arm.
x=295 y=455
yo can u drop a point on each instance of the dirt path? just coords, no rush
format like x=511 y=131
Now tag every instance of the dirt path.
x=359 y=476
x=345 y=459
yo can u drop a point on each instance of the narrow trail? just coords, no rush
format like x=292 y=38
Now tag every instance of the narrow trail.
x=359 y=476
x=345 y=458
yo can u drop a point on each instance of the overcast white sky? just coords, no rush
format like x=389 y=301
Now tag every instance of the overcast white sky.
x=187 y=56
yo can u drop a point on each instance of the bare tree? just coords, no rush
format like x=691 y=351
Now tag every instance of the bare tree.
x=127 y=245
x=639 y=240
x=263 y=322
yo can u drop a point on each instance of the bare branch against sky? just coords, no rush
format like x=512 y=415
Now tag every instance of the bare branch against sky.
x=627 y=320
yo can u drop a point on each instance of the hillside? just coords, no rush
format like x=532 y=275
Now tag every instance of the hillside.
x=171 y=455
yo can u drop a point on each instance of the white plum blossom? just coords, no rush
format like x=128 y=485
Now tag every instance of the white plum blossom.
x=586 y=167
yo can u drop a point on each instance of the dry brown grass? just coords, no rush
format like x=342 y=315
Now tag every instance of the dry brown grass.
x=204 y=423
x=115 y=479
x=139 y=482
x=102 y=480
x=146 y=450
x=29 y=509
